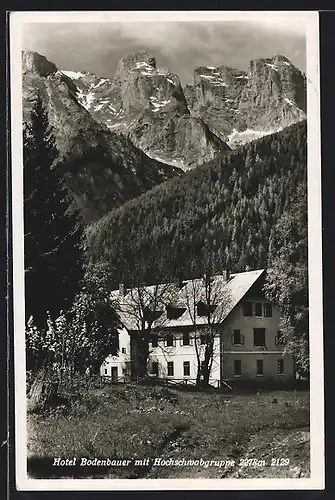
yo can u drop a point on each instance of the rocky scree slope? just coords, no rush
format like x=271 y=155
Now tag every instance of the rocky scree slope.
x=148 y=105
x=101 y=168
x=240 y=106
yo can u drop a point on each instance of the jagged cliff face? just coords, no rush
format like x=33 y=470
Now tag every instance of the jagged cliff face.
x=189 y=126
x=224 y=107
x=148 y=105
x=240 y=106
x=102 y=169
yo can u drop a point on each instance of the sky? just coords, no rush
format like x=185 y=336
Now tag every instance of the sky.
x=181 y=46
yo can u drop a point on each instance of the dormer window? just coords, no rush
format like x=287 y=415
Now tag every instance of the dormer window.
x=150 y=315
x=204 y=309
x=174 y=312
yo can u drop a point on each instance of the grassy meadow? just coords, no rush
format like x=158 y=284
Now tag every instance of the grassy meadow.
x=144 y=422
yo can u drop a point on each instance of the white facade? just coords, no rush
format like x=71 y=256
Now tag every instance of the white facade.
x=262 y=362
x=248 y=345
x=183 y=357
x=118 y=367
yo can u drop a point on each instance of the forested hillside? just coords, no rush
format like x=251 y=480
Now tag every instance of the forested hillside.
x=225 y=210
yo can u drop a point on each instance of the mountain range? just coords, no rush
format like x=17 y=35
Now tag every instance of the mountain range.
x=182 y=126
x=101 y=168
x=120 y=137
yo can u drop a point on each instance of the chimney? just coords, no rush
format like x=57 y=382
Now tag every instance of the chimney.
x=122 y=290
x=227 y=274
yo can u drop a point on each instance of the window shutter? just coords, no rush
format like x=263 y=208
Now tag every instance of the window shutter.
x=242 y=338
x=232 y=339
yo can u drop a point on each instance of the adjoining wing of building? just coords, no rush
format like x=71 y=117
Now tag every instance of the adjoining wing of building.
x=248 y=343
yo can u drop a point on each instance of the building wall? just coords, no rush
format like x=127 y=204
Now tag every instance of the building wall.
x=122 y=361
x=249 y=366
x=247 y=352
x=178 y=354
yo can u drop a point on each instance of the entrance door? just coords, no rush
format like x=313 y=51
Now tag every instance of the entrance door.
x=114 y=373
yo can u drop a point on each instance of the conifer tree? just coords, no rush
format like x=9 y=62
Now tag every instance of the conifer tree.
x=287 y=277
x=52 y=235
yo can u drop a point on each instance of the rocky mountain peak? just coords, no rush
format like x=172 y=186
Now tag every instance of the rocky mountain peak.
x=143 y=86
x=33 y=62
x=188 y=126
x=141 y=61
x=281 y=83
x=241 y=105
x=101 y=169
x=276 y=63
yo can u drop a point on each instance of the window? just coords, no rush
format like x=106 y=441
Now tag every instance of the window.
x=280 y=339
x=106 y=371
x=268 y=310
x=170 y=370
x=169 y=340
x=186 y=338
x=237 y=337
x=258 y=309
x=154 y=368
x=174 y=313
x=205 y=309
x=259 y=337
x=202 y=338
x=154 y=341
x=237 y=368
x=123 y=350
x=280 y=367
x=247 y=309
x=259 y=367
x=124 y=371
x=186 y=368
x=114 y=373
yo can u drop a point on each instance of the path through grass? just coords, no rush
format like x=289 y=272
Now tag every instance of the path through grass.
x=137 y=423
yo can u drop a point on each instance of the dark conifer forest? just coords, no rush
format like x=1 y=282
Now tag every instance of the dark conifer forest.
x=226 y=209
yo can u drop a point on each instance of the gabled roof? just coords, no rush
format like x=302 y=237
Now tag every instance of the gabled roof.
x=224 y=294
x=134 y=302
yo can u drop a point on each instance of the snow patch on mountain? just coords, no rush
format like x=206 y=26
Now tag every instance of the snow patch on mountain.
x=214 y=79
x=272 y=66
x=238 y=138
x=173 y=163
x=158 y=104
x=289 y=101
x=89 y=99
x=74 y=75
x=143 y=64
x=103 y=80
